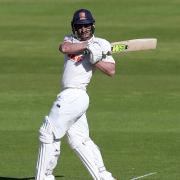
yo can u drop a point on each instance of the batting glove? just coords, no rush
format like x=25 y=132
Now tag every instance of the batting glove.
x=95 y=52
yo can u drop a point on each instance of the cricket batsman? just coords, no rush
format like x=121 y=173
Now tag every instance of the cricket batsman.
x=83 y=54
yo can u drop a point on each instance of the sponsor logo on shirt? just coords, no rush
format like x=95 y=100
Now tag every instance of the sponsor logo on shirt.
x=75 y=57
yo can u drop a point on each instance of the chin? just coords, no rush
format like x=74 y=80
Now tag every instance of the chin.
x=85 y=38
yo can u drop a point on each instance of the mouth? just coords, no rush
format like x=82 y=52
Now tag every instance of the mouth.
x=85 y=35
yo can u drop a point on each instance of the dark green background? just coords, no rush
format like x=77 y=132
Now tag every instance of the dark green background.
x=133 y=117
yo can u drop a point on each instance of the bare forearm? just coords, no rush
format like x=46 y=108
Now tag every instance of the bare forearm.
x=106 y=67
x=72 y=48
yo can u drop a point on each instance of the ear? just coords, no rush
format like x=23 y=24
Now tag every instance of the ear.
x=93 y=28
x=72 y=27
x=73 y=30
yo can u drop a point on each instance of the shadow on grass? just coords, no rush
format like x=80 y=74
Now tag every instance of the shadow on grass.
x=26 y=178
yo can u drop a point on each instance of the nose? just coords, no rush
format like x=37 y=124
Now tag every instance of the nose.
x=83 y=28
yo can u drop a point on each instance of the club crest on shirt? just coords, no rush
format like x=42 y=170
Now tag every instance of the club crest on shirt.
x=76 y=57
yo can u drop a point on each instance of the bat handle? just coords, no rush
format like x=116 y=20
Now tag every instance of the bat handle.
x=107 y=53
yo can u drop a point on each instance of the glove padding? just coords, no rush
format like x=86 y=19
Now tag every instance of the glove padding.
x=95 y=52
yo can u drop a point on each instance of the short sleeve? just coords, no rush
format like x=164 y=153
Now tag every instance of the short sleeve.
x=106 y=47
x=68 y=38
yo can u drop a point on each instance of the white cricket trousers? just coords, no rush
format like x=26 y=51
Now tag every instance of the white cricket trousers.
x=68 y=117
x=70 y=106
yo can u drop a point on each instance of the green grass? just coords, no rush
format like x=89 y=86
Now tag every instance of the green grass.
x=133 y=117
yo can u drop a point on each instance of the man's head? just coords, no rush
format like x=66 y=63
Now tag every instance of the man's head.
x=83 y=24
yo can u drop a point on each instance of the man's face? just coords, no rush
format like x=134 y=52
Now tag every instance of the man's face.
x=84 y=31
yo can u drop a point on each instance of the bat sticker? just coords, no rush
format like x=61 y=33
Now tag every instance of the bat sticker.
x=119 y=47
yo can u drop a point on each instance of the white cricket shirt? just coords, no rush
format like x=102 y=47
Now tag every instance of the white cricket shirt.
x=77 y=68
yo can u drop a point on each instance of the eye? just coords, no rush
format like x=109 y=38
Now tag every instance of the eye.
x=87 y=25
x=79 y=26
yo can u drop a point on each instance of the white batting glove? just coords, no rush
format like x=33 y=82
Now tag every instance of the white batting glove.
x=95 y=52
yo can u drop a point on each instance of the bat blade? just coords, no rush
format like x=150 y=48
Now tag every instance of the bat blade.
x=134 y=45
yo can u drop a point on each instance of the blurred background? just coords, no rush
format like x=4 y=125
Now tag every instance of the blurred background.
x=133 y=117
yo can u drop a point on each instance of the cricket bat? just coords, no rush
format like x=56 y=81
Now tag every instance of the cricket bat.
x=133 y=45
